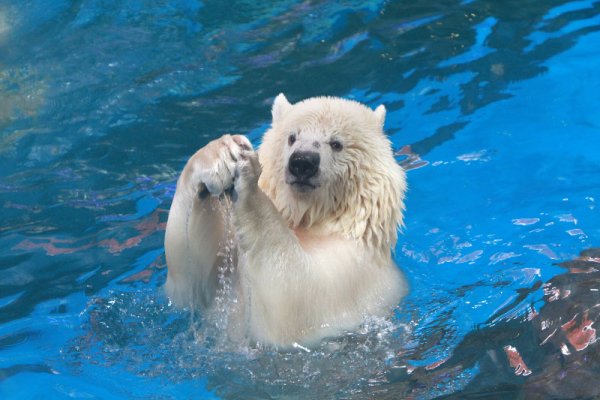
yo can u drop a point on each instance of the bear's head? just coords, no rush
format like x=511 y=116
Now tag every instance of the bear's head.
x=327 y=165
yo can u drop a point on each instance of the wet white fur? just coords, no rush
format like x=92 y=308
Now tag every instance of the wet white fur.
x=311 y=264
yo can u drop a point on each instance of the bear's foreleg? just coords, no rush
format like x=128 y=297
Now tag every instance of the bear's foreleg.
x=195 y=225
x=259 y=225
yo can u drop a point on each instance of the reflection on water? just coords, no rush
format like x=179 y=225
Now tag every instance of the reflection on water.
x=492 y=108
x=20 y=99
x=4 y=26
x=553 y=346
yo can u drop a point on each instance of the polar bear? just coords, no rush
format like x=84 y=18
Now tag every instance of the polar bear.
x=315 y=211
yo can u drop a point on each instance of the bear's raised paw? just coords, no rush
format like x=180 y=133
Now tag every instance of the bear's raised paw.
x=214 y=166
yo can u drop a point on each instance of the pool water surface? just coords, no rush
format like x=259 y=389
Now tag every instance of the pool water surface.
x=492 y=108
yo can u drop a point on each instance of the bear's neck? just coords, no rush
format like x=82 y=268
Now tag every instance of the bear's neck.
x=317 y=214
x=319 y=221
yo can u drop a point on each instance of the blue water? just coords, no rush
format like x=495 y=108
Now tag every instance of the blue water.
x=493 y=108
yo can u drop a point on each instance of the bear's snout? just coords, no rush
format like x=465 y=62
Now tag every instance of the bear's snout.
x=304 y=164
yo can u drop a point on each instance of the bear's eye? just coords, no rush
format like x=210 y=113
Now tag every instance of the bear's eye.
x=291 y=139
x=336 y=145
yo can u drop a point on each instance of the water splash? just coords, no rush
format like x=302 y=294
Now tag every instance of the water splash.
x=227 y=268
x=142 y=333
x=220 y=323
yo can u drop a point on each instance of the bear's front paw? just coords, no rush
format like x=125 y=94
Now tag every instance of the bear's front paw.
x=246 y=174
x=214 y=165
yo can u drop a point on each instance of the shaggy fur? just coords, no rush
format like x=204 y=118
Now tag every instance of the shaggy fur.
x=311 y=262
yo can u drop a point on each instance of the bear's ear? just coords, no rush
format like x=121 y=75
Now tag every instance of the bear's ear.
x=380 y=114
x=281 y=106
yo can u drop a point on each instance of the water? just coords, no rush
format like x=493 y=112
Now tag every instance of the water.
x=492 y=107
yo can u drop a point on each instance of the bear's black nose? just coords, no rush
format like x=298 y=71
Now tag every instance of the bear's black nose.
x=304 y=164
